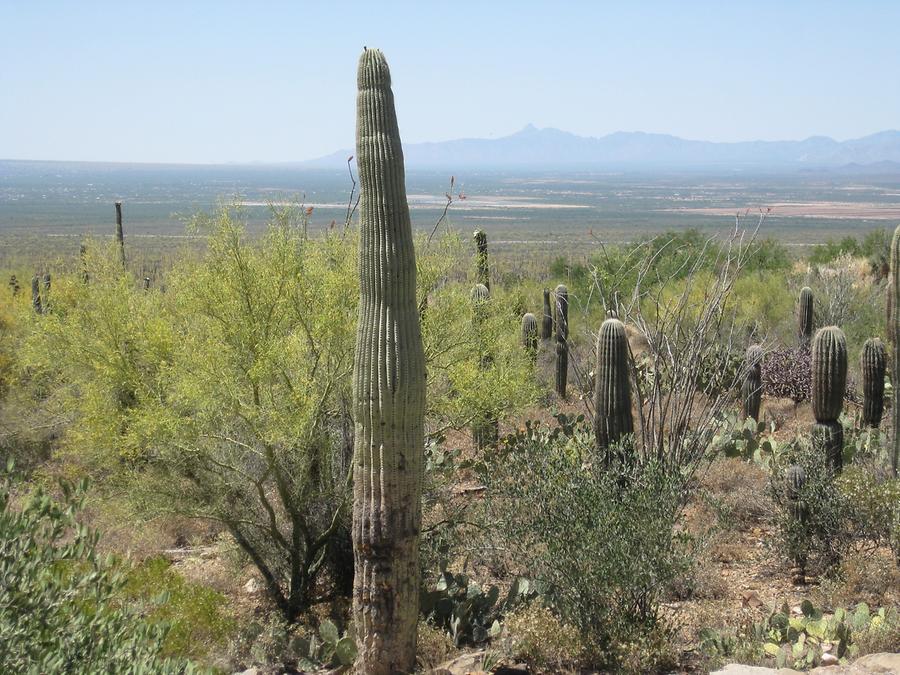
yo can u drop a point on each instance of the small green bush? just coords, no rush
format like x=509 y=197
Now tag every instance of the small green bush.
x=57 y=611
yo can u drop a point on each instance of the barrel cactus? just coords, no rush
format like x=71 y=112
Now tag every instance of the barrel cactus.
x=829 y=382
x=120 y=234
x=562 y=338
x=530 y=335
x=613 y=419
x=388 y=392
x=751 y=389
x=482 y=274
x=547 y=318
x=893 y=328
x=805 y=315
x=873 y=365
x=36 y=294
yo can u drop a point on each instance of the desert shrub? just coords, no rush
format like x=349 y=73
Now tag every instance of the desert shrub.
x=196 y=615
x=538 y=637
x=59 y=610
x=600 y=541
x=433 y=646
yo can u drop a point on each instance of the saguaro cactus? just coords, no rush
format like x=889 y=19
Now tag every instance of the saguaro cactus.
x=530 y=335
x=547 y=317
x=795 y=479
x=388 y=392
x=829 y=381
x=893 y=327
x=805 y=315
x=45 y=291
x=82 y=256
x=120 y=233
x=36 y=294
x=873 y=366
x=612 y=386
x=562 y=339
x=483 y=275
x=146 y=283
x=751 y=389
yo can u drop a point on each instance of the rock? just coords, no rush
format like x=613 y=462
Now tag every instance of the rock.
x=739 y=669
x=249 y=671
x=829 y=659
x=873 y=664
x=461 y=665
x=252 y=586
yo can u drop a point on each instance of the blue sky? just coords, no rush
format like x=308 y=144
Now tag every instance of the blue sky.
x=173 y=81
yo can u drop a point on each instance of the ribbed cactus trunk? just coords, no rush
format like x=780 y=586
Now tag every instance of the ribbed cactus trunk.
x=547 y=317
x=120 y=234
x=45 y=291
x=562 y=339
x=482 y=273
x=613 y=420
x=36 y=294
x=486 y=428
x=751 y=389
x=829 y=382
x=873 y=365
x=388 y=392
x=530 y=335
x=795 y=479
x=805 y=316
x=893 y=330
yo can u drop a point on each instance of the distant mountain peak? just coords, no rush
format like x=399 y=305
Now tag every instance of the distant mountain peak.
x=551 y=148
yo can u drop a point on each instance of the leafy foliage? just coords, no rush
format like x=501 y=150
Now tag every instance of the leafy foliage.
x=58 y=610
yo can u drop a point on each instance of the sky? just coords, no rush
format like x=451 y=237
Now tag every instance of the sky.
x=200 y=82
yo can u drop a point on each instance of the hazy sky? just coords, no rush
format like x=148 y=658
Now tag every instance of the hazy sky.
x=170 y=81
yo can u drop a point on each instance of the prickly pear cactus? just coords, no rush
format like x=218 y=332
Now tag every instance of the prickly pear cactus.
x=613 y=418
x=751 y=389
x=547 y=317
x=893 y=329
x=829 y=381
x=120 y=233
x=388 y=392
x=36 y=294
x=805 y=315
x=562 y=339
x=482 y=273
x=873 y=364
x=530 y=335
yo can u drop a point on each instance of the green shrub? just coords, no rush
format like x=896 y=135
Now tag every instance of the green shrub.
x=58 y=612
x=600 y=541
x=194 y=613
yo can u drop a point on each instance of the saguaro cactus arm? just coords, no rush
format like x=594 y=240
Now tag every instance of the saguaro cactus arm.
x=389 y=392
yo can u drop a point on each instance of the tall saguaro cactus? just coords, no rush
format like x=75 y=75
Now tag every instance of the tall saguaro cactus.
x=874 y=364
x=483 y=275
x=751 y=389
x=893 y=318
x=562 y=339
x=805 y=315
x=120 y=233
x=829 y=381
x=612 y=387
x=388 y=392
x=547 y=317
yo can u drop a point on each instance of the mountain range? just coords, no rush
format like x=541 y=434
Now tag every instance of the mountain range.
x=551 y=148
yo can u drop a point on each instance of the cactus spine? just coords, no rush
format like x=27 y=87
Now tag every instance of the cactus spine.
x=612 y=386
x=36 y=294
x=120 y=234
x=893 y=328
x=829 y=381
x=751 y=389
x=805 y=315
x=388 y=392
x=562 y=337
x=481 y=258
x=874 y=365
x=530 y=335
x=547 y=318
